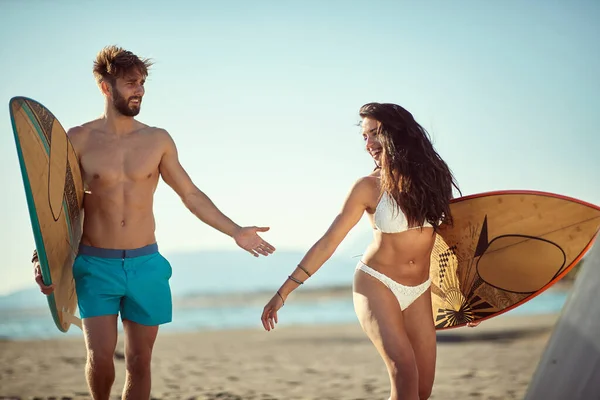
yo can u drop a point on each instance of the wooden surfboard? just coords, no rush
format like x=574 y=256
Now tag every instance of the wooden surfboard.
x=504 y=249
x=54 y=191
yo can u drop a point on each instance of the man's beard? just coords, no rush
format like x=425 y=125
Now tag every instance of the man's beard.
x=122 y=105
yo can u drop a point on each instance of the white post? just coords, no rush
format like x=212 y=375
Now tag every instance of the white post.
x=570 y=366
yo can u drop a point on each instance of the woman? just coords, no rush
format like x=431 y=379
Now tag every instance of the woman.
x=406 y=197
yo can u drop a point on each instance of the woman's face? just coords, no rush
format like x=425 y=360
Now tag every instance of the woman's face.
x=369 y=134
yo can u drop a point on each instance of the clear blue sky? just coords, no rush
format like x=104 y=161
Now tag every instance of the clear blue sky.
x=262 y=99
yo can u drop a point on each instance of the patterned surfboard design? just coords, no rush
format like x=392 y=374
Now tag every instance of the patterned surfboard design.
x=504 y=249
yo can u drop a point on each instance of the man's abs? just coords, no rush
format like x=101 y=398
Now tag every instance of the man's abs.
x=122 y=219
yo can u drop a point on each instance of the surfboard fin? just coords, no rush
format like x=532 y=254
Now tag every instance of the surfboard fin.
x=70 y=318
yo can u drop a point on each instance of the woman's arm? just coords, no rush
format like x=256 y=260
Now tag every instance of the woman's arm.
x=354 y=206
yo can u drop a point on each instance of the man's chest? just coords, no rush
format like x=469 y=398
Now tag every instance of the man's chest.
x=118 y=160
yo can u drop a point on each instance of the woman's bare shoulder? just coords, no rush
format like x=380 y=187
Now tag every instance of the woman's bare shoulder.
x=367 y=190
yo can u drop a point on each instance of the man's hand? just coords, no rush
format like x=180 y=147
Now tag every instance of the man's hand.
x=247 y=238
x=38 y=279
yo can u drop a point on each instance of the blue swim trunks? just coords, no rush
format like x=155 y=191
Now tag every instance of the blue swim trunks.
x=132 y=282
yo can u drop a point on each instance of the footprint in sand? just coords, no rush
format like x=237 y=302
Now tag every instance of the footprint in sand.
x=39 y=398
x=369 y=387
x=223 y=396
x=468 y=375
x=74 y=360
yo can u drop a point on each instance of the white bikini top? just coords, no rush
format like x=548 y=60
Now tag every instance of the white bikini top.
x=389 y=218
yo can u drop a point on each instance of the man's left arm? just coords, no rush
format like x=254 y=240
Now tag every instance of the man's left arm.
x=202 y=206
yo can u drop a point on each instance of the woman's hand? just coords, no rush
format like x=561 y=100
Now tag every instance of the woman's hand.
x=269 y=315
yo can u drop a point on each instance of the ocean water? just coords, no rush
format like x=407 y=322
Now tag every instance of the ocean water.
x=228 y=290
x=37 y=323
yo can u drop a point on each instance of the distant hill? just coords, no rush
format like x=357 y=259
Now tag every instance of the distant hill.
x=26 y=298
x=238 y=271
x=222 y=272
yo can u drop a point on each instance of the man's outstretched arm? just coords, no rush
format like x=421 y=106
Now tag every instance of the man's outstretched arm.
x=202 y=206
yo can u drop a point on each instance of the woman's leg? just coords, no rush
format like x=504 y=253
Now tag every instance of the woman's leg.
x=418 y=320
x=380 y=316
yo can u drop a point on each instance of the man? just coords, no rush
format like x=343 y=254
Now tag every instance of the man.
x=121 y=160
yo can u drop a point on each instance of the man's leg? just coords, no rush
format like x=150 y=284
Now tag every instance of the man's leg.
x=139 y=341
x=100 y=284
x=146 y=305
x=100 y=335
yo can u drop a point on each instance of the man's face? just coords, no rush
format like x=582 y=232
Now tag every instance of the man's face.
x=127 y=93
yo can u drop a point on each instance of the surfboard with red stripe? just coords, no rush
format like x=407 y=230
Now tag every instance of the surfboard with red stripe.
x=504 y=249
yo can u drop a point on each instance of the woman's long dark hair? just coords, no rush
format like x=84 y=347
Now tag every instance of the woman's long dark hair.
x=413 y=173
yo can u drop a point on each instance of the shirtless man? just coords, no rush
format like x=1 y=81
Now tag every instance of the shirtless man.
x=121 y=160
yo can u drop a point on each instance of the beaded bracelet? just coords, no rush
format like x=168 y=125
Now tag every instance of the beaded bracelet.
x=283 y=301
x=304 y=269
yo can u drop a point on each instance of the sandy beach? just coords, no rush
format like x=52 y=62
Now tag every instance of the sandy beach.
x=493 y=361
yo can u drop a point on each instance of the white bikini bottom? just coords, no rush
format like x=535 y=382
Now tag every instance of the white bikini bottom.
x=406 y=295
